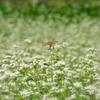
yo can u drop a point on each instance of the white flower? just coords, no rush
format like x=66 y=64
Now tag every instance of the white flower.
x=57 y=47
x=7 y=57
x=47 y=98
x=25 y=93
x=75 y=65
x=78 y=84
x=78 y=70
x=32 y=83
x=36 y=93
x=58 y=72
x=65 y=44
x=2 y=77
x=66 y=69
x=65 y=82
x=23 y=65
x=15 y=45
x=12 y=84
x=69 y=74
x=28 y=40
x=49 y=83
x=90 y=89
x=59 y=90
x=54 y=88
x=89 y=56
x=60 y=63
x=98 y=93
x=91 y=49
x=72 y=97
x=9 y=73
x=38 y=56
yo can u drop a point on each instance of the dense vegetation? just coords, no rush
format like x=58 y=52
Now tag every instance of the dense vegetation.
x=78 y=11
x=67 y=70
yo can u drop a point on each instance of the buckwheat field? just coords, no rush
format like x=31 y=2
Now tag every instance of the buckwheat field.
x=66 y=70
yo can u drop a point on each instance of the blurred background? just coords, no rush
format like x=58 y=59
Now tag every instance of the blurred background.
x=48 y=2
x=68 y=8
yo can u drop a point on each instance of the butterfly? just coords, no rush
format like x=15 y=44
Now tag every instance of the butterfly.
x=49 y=43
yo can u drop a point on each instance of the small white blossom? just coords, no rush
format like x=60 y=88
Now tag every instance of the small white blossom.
x=28 y=40
x=65 y=44
x=25 y=93
x=78 y=85
x=37 y=93
x=9 y=73
x=60 y=63
x=47 y=84
x=58 y=72
x=57 y=47
x=90 y=89
x=66 y=69
x=91 y=49
x=32 y=83
x=15 y=45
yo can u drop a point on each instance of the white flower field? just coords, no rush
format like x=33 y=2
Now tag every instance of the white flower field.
x=67 y=70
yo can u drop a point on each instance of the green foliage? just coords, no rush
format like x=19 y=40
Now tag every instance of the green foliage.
x=92 y=10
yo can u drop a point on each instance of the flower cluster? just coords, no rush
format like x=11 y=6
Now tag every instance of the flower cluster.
x=22 y=76
x=29 y=70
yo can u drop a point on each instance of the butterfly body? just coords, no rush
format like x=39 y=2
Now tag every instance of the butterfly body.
x=50 y=43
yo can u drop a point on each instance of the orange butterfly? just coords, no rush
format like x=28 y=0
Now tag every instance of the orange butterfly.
x=50 y=43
